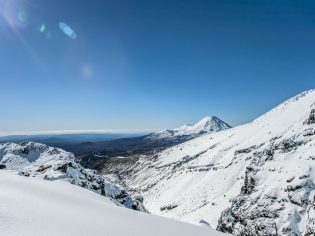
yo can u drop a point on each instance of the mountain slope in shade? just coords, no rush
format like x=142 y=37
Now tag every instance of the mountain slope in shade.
x=206 y=125
x=32 y=206
x=49 y=163
x=254 y=179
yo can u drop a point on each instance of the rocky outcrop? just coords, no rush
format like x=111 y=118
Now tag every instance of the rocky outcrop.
x=310 y=220
x=249 y=182
x=41 y=161
x=263 y=210
x=245 y=220
x=311 y=118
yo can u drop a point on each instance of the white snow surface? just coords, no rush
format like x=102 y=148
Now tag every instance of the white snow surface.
x=197 y=179
x=206 y=125
x=35 y=207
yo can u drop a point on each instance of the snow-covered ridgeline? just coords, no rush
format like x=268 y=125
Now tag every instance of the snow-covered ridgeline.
x=49 y=163
x=254 y=179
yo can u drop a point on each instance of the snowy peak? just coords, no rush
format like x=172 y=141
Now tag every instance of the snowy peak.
x=206 y=125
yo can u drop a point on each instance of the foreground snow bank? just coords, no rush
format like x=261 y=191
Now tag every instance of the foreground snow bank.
x=41 y=161
x=32 y=206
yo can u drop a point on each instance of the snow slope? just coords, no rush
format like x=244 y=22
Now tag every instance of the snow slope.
x=254 y=179
x=206 y=125
x=49 y=163
x=32 y=206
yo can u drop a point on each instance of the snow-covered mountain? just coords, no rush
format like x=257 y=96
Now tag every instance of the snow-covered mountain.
x=36 y=207
x=49 y=163
x=254 y=179
x=206 y=125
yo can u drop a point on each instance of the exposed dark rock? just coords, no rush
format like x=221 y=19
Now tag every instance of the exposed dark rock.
x=249 y=182
x=240 y=219
x=260 y=157
x=290 y=180
x=310 y=221
x=203 y=222
x=288 y=145
x=24 y=173
x=309 y=132
x=296 y=186
x=62 y=168
x=245 y=150
x=311 y=118
x=248 y=150
x=168 y=207
x=252 y=213
x=2 y=166
x=43 y=168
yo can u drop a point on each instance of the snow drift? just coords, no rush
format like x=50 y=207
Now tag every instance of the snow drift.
x=33 y=206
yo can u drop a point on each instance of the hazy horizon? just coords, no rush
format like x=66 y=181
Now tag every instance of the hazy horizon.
x=70 y=132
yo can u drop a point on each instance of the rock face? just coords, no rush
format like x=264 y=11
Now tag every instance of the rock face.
x=262 y=210
x=254 y=179
x=311 y=118
x=310 y=220
x=38 y=160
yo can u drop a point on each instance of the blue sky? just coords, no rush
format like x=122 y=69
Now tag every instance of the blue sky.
x=150 y=64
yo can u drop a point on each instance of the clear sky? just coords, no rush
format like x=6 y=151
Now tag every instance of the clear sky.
x=150 y=64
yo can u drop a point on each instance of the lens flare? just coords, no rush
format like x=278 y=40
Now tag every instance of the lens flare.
x=87 y=71
x=15 y=13
x=48 y=35
x=66 y=29
x=23 y=15
x=42 y=28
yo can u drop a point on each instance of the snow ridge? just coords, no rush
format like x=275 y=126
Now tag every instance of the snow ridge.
x=254 y=179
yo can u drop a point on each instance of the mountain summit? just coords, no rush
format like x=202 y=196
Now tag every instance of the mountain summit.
x=206 y=125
